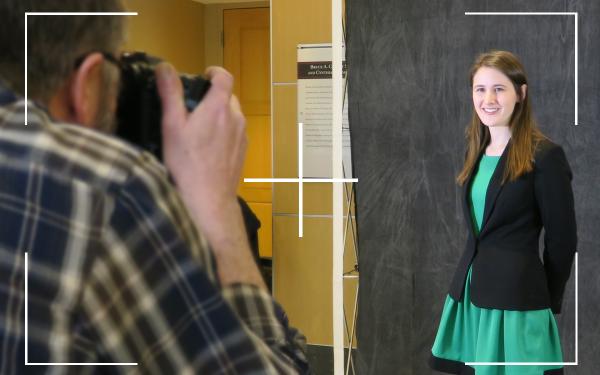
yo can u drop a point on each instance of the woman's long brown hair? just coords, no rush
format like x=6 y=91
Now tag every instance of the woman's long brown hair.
x=525 y=134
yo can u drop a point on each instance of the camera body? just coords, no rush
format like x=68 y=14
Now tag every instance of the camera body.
x=139 y=116
x=139 y=110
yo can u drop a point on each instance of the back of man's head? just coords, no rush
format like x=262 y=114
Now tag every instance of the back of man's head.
x=54 y=43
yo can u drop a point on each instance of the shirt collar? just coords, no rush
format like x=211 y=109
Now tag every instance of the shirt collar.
x=8 y=97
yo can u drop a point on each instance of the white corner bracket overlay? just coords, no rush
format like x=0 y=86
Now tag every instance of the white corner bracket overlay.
x=576 y=362
x=27 y=363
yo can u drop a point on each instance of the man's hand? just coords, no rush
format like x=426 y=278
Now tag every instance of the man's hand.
x=207 y=145
x=204 y=151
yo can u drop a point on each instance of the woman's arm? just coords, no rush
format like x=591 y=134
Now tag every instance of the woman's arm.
x=555 y=200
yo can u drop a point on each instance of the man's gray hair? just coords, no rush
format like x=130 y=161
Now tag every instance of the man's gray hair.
x=54 y=42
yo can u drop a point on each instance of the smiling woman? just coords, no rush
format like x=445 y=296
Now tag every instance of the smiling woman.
x=515 y=181
x=502 y=72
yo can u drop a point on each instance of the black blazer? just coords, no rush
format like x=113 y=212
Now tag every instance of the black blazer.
x=507 y=271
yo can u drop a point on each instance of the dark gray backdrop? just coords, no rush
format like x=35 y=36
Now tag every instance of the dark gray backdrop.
x=409 y=102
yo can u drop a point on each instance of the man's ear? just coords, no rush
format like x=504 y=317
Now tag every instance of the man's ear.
x=84 y=90
x=523 y=92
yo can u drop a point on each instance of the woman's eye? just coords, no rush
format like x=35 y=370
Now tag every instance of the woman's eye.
x=498 y=89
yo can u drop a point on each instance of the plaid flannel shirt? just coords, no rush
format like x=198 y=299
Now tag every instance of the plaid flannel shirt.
x=117 y=270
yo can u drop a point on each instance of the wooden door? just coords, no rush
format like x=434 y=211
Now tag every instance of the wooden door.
x=246 y=54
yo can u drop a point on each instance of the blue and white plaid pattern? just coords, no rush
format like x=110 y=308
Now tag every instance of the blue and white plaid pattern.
x=117 y=270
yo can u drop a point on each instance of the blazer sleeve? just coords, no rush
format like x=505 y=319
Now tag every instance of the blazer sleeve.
x=555 y=200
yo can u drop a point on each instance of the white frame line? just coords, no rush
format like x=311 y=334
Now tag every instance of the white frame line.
x=521 y=364
x=27 y=363
x=304 y=180
x=576 y=76
x=301 y=180
x=576 y=363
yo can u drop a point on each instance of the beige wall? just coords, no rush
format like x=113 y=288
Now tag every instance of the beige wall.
x=302 y=266
x=172 y=30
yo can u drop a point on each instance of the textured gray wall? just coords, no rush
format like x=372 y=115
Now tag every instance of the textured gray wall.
x=409 y=104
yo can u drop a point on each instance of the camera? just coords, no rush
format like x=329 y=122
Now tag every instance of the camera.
x=139 y=116
x=139 y=110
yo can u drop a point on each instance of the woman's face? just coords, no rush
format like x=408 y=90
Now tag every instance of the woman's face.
x=494 y=96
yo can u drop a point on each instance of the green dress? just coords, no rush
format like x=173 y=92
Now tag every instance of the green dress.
x=468 y=333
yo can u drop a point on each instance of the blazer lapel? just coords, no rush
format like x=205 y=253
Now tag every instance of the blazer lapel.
x=467 y=197
x=494 y=187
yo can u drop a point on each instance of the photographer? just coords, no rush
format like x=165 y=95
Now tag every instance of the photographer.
x=122 y=266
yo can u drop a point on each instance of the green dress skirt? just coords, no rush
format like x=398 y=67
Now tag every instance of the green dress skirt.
x=468 y=333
